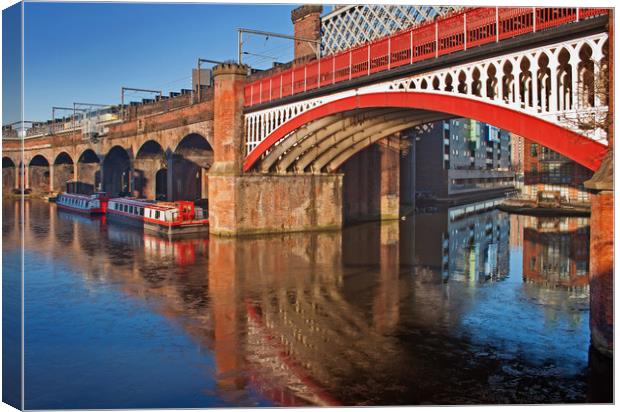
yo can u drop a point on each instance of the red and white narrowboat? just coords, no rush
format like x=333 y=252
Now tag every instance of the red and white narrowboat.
x=89 y=204
x=165 y=218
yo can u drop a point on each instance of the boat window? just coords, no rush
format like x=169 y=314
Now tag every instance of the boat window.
x=125 y=208
x=141 y=211
x=157 y=214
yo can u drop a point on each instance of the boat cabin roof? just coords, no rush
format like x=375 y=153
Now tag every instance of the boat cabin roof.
x=145 y=203
x=77 y=196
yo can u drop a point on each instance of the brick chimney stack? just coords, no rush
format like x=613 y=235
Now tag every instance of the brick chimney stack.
x=307 y=24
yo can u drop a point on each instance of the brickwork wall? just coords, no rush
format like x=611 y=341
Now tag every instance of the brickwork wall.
x=306 y=24
x=39 y=179
x=8 y=179
x=371 y=184
x=535 y=180
x=62 y=173
x=274 y=203
x=86 y=176
x=602 y=271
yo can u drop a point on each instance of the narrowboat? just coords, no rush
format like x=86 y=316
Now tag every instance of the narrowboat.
x=88 y=204
x=164 y=218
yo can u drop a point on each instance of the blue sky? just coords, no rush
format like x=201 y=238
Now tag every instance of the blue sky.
x=11 y=61
x=85 y=52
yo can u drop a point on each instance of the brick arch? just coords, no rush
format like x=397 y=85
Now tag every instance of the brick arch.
x=191 y=158
x=86 y=155
x=9 y=173
x=147 y=147
x=37 y=159
x=15 y=158
x=116 y=170
x=187 y=131
x=6 y=160
x=194 y=136
x=581 y=149
x=62 y=157
x=39 y=173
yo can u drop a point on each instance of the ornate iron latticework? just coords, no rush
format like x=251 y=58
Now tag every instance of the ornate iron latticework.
x=347 y=26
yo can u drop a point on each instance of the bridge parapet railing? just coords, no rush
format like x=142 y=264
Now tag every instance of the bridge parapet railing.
x=448 y=34
x=9 y=133
x=167 y=103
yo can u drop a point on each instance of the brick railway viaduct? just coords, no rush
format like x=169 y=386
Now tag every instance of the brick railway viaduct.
x=271 y=152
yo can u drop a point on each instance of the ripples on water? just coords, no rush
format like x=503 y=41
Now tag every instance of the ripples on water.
x=488 y=308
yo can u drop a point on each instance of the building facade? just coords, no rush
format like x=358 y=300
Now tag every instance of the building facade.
x=460 y=158
x=547 y=174
x=516 y=156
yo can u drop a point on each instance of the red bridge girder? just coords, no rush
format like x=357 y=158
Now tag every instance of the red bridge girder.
x=579 y=148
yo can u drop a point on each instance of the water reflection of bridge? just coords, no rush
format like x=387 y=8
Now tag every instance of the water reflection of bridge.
x=303 y=322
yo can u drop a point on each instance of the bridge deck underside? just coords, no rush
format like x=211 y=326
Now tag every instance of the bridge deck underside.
x=325 y=144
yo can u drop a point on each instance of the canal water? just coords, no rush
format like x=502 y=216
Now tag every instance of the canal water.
x=439 y=308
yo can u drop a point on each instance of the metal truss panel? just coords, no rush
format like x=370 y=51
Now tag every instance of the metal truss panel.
x=349 y=26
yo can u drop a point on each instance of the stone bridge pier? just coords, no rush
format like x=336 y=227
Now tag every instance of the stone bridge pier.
x=602 y=231
x=259 y=202
x=371 y=183
x=602 y=257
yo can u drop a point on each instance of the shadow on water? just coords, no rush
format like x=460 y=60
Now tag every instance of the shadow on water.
x=442 y=308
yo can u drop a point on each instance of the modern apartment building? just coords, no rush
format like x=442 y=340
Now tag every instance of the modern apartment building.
x=461 y=159
x=547 y=173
